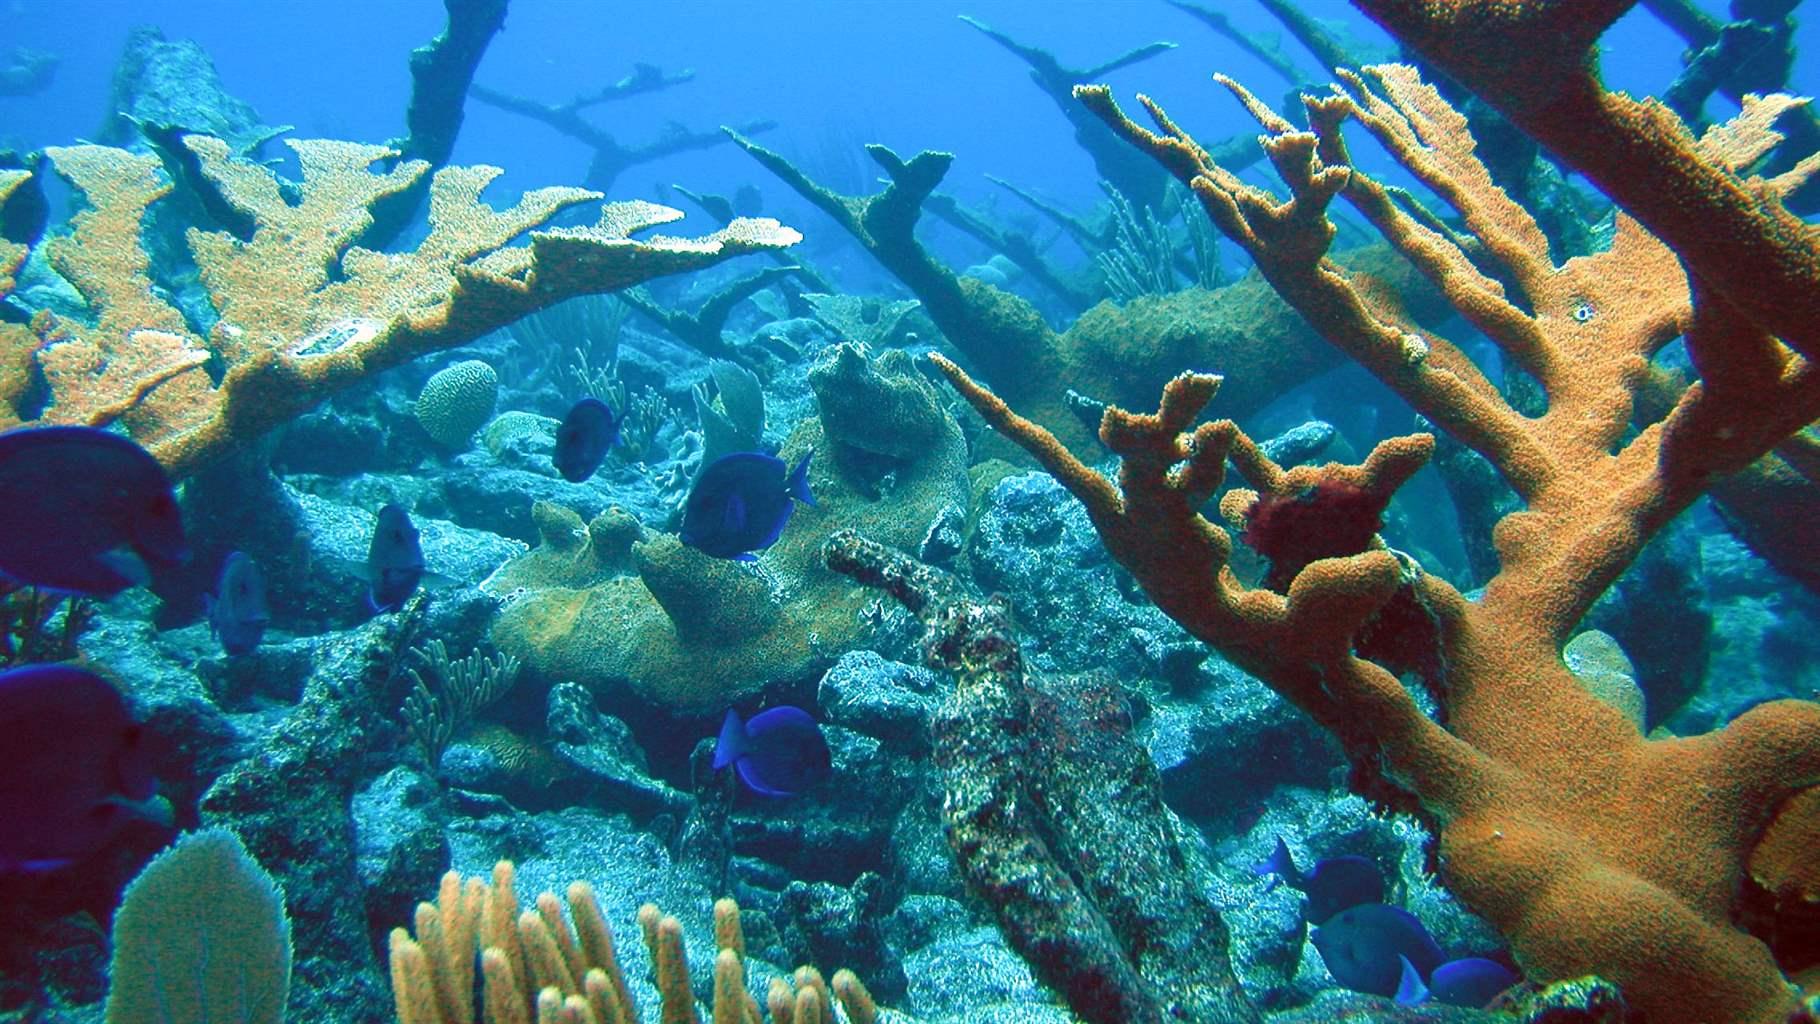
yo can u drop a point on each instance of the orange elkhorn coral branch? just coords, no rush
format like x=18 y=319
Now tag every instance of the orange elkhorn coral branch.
x=1595 y=850
x=1533 y=60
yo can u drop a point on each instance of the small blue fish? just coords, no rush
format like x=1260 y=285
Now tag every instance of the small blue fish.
x=742 y=502
x=583 y=439
x=394 y=559
x=76 y=770
x=237 y=611
x=780 y=752
x=1363 y=947
x=84 y=511
x=1471 y=981
x=1335 y=884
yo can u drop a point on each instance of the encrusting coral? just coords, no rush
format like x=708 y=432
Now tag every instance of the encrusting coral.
x=301 y=308
x=1593 y=849
x=537 y=966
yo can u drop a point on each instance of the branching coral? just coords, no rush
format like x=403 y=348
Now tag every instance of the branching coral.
x=302 y=308
x=1532 y=59
x=1113 y=353
x=1593 y=849
x=457 y=689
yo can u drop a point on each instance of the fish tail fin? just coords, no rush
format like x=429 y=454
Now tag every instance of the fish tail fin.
x=1410 y=990
x=798 y=485
x=732 y=738
x=1281 y=864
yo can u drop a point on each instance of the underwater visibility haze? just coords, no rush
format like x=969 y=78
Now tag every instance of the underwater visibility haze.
x=917 y=511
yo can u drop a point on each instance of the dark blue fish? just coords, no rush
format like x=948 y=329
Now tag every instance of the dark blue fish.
x=742 y=502
x=237 y=611
x=1364 y=947
x=583 y=439
x=76 y=769
x=1471 y=981
x=780 y=752
x=1335 y=884
x=394 y=559
x=85 y=510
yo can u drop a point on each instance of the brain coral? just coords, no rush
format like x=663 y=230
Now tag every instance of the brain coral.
x=456 y=401
x=689 y=633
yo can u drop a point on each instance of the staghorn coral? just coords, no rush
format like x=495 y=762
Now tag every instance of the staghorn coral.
x=1592 y=848
x=303 y=309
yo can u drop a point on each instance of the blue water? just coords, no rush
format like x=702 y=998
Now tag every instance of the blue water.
x=833 y=75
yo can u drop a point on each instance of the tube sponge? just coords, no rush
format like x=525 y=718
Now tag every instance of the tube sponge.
x=201 y=935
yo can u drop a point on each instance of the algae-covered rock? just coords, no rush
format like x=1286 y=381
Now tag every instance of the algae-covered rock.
x=622 y=608
x=883 y=406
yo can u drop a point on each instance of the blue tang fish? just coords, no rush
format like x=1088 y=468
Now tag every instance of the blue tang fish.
x=780 y=752
x=237 y=611
x=1334 y=884
x=1471 y=981
x=583 y=439
x=85 y=510
x=76 y=769
x=1364 y=947
x=741 y=503
x=394 y=559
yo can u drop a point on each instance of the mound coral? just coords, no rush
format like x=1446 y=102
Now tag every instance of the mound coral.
x=456 y=400
x=691 y=633
x=1594 y=849
x=299 y=308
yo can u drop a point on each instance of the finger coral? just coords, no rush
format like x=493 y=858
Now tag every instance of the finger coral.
x=539 y=965
x=1594 y=849
x=299 y=307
